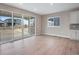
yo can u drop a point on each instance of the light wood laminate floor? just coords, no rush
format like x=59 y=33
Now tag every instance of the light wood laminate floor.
x=41 y=45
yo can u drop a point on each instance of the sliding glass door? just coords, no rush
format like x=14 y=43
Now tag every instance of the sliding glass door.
x=14 y=26
x=5 y=26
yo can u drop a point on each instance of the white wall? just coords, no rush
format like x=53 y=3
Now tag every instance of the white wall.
x=26 y=13
x=63 y=30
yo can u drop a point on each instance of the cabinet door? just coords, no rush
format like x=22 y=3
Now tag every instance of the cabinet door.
x=77 y=35
x=78 y=17
x=74 y=17
x=72 y=34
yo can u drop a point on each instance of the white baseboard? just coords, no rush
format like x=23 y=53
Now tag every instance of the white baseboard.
x=56 y=35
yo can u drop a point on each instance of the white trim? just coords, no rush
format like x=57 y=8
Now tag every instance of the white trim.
x=56 y=35
x=12 y=28
x=22 y=28
x=35 y=25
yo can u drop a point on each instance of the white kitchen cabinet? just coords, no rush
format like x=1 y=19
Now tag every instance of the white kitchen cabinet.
x=74 y=16
x=74 y=19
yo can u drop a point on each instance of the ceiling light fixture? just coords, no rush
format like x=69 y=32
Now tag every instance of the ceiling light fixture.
x=34 y=9
x=20 y=3
x=51 y=4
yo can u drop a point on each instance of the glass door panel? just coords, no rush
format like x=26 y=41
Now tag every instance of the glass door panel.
x=25 y=27
x=28 y=26
x=17 y=26
x=5 y=26
x=31 y=27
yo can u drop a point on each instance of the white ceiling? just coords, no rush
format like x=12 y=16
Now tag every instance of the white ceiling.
x=45 y=8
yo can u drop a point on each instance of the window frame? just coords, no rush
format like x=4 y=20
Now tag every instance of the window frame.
x=53 y=21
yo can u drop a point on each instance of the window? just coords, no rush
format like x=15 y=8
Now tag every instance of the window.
x=53 y=21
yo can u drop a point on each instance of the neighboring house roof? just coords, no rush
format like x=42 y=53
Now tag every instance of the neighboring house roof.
x=4 y=19
x=18 y=21
x=1 y=21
